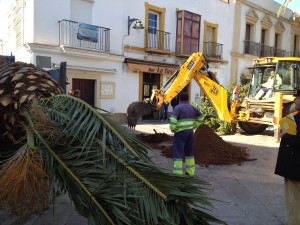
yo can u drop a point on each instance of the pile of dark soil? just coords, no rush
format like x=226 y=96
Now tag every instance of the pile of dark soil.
x=210 y=148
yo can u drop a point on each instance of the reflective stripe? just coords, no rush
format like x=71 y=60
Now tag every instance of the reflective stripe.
x=173 y=119
x=190 y=161
x=190 y=171
x=198 y=121
x=177 y=166
x=177 y=171
x=173 y=122
x=190 y=165
x=185 y=124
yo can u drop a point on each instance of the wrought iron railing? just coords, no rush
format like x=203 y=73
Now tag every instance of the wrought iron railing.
x=81 y=35
x=262 y=50
x=158 y=39
x=213 y=50
x=251 y=48
x=265 y=51
x=279 y=52
x=292 y=54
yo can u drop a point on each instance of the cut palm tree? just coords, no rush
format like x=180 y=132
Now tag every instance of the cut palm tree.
x=105 y=169
x=20 y=83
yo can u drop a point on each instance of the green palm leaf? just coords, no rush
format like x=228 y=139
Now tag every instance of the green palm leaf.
x=106 y=170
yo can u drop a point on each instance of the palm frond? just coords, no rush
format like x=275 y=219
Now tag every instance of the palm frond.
x=23 y=183
x=107 y=172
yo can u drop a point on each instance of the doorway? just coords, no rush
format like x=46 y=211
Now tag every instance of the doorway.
x=150 y=81
x=87 y=89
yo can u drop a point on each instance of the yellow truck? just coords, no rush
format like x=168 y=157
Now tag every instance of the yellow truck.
x=252 y=115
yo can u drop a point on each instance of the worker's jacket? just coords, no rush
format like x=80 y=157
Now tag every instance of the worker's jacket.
x=269 y=84
x=185 y=117
x=288 y=160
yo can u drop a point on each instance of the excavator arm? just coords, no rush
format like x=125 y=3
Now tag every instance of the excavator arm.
x=194 y=68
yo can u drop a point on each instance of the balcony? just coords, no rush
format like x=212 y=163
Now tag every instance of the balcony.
x=251 y=48
x=261 y=50
x=213 y=50
x=265 y=51
x=279 y=52
x=158 y=41
x=85 y=36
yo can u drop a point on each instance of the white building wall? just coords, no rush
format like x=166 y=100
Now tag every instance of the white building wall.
x=41 y=38
x=46 y=16
x=262 y=9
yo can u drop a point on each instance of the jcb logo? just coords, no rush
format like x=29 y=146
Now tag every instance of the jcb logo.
x=214 y=90
x=191 y=64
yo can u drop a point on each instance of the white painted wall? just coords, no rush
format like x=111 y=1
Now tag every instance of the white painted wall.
x=42 y=27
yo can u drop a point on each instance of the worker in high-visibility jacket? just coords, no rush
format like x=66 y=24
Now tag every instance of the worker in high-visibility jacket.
x=183 y=120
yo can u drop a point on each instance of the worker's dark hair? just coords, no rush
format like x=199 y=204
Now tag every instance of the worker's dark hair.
x=184 y=96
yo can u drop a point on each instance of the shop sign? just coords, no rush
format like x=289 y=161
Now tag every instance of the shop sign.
x=151 y=69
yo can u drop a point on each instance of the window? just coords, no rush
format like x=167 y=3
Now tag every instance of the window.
x=210 y=34
x=153 y=37
x=248 y=32
x=210 y=46
x=248 y=44
x=188 y=32
x=155 y=25
x=276 y=42
x=265 y=49
x=153 y=22
x=263 y=36
x=278 y=45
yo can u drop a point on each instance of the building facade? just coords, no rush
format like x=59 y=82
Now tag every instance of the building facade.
x=113 y=63
x=260 y=33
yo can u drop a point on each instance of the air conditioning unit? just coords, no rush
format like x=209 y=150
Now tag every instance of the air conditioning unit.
x=43 y=61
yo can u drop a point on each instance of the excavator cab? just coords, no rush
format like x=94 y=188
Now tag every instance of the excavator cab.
x=260 y=76
x=256 y=114
x=288 y=72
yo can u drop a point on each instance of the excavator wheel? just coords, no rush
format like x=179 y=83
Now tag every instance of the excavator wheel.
x=252 y=128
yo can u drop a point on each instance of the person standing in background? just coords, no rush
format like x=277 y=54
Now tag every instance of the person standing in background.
x=71 y=92
x=288 y=166
x=77 y=93
x=183 y=120
x=235 y=92
x=163 y=114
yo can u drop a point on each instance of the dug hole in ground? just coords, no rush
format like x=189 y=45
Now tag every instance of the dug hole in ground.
x=238 y=167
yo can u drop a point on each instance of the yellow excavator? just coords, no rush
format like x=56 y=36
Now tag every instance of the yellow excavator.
x=252 y=115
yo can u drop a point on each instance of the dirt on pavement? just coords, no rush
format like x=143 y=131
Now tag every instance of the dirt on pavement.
x=209 y=147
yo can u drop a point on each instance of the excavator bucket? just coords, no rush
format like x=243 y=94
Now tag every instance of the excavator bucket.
x=135 y=111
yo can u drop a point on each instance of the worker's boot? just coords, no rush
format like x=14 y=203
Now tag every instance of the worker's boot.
x=259 y=94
